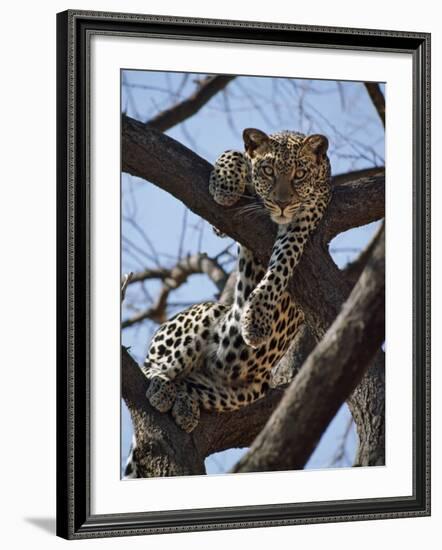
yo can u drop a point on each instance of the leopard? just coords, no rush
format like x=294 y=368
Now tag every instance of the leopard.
x=217 y=357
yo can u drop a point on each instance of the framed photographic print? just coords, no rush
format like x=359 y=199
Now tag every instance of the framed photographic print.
x=243 y=274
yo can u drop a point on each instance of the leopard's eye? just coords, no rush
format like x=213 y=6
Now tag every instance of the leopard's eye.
x=268 y=170
x=300 y=173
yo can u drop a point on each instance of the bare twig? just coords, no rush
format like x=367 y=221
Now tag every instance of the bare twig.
x=188 y=107
x=131 y=220
x=183 y=233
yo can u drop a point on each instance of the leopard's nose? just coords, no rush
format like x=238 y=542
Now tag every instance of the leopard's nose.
x=282 y=204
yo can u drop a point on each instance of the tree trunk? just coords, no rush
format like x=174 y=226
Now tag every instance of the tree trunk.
x=162 y=448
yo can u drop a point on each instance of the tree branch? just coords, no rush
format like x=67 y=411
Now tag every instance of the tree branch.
x=149 y=273
x=172 y=279
x=147 y=154
x=353 y=270
x=350 y=177
x=377 y=98
x=190 y=106
x=331 y=372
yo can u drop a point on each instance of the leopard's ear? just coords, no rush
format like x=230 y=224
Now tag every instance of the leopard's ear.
x=253 y=140
x=316 y=144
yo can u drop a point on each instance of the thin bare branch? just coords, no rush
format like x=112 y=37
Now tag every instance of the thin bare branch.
x=190 y=106
x=174 y=278
x=150 y=273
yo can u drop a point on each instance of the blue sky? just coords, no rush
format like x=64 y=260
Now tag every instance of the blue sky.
x=165 y=229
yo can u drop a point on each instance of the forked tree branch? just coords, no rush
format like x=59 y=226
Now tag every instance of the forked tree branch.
x=157 y=158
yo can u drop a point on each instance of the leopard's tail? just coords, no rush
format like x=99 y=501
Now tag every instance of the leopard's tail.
x=130 y=470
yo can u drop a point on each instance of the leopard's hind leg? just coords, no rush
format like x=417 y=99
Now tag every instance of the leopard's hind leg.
x=178 y=348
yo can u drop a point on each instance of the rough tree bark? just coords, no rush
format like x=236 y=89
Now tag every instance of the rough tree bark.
x=318 y=285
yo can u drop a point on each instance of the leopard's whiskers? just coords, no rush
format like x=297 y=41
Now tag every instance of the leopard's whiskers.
x=247 y=207
x=250 y=209
x=249 y=197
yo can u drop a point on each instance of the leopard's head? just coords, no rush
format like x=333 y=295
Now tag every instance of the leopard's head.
x=289 y=170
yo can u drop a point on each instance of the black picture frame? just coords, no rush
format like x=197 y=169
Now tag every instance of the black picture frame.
x=74 y=518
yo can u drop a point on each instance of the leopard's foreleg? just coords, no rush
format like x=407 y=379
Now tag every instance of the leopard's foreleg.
x=257 y=315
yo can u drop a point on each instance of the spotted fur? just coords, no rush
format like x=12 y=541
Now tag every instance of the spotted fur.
x=131 y=470
x=220 y=358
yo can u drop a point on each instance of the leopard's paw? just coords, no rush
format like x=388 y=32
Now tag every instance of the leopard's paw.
x=254 y=335
x=161 y=394
x=186 y=412
x=255 y=327
x=228 y=178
